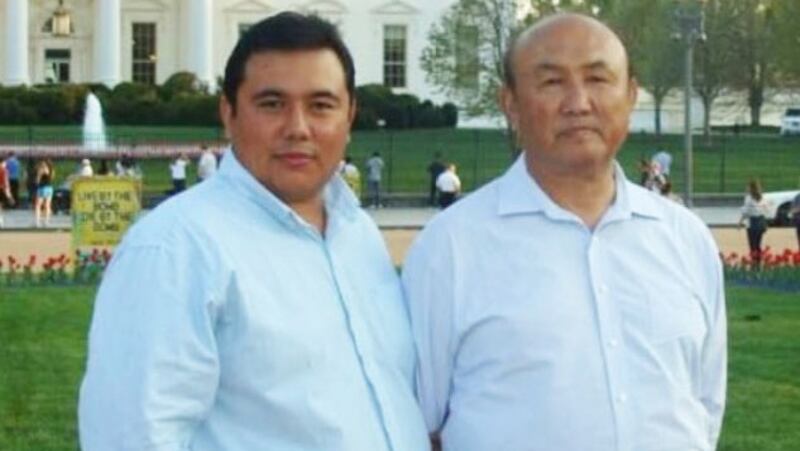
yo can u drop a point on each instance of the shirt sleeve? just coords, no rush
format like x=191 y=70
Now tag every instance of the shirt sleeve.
x=153 y=367
x=714 y=364
x=428 y=286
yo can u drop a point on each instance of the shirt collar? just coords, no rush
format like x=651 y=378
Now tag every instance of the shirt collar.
x=518 y=193
x=338 y=197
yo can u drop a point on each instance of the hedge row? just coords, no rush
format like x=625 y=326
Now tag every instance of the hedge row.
x=181 y=100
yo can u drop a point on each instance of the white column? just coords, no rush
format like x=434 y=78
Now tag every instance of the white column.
x=16 y=42
x=107 y=25
x=199 y=44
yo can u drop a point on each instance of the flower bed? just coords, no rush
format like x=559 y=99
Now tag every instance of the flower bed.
x=85 y=267
x=770 y=269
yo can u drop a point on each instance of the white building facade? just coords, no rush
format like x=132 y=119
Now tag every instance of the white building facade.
x=111 y=41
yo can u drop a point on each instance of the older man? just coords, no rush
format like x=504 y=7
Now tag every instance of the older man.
x=561 y=307
x=259 y=310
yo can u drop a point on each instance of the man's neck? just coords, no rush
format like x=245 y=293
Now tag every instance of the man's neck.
x=588 y=193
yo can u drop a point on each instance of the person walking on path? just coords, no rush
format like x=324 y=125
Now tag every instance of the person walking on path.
x=177 y=170
x=796 y=217
x=449 y=186
x=754 y=212
x=6 y=197
x=14 y=168
x=374 y=176
x=207 y=164
x=43 y=206
x=434 y=170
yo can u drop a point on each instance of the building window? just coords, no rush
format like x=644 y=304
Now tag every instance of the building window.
x=243 y=27
x=467 y=62
x=144 y=53
x=394 y=56
x=56 y=65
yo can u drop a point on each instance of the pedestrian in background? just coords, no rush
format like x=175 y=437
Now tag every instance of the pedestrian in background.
x=435 y=169
x=351 y=176
x=754 y=211
x=5 y=189
x=449 y=186
x=796 y=217
x=207 y=165
x=177 y=171
x=43 y=206
x=14 y=169
x=374 y=175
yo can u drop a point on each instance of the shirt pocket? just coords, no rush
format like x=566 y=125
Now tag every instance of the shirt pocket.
x=676 y=313
x=662 y=315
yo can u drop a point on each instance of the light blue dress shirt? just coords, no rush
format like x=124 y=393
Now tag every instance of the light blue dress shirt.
x=226 y=322
x=537 y=333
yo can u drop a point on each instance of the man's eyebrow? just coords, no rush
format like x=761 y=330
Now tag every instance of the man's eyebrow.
x=273 y=92
x=267 y=92
x=598 y=65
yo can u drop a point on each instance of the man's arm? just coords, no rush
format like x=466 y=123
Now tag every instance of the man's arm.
x=427 y=283
x=714 y=364
x=153 y=368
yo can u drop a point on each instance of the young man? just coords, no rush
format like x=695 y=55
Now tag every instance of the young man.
x=259 y=309
x=562 y=307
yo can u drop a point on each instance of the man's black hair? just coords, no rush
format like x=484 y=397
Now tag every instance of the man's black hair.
x=286 y=31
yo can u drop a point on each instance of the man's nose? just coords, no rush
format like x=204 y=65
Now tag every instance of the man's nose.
x=297 y=125
x=577 y=99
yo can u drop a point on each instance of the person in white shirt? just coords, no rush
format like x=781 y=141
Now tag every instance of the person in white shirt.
x=754 y=212
x=85 y=169
x=449 y=185
x=207 y=165
x=177 y=170
x=562 y=307
x=259 y=310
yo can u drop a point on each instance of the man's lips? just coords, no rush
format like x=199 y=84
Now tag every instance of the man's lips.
x=295 y=159
x=577 y=130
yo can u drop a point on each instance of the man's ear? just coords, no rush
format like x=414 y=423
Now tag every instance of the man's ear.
x=226 y=114
x=633 y=91
x=351 y=115
x=508 y=105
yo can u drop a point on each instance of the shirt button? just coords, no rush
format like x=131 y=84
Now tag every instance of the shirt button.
x=603 y=289
x=622 y=398
x=613 y=343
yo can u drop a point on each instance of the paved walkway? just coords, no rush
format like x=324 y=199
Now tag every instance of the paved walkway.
x=386 y=218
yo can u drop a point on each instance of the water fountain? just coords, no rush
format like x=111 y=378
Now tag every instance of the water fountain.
x=94 y=130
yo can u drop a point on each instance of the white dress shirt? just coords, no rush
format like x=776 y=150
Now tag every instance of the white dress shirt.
x=226 y=322
x=207 y=166
x=537 y=333
x=448 y=182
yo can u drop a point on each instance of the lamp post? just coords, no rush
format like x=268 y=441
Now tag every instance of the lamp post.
x=689 y=28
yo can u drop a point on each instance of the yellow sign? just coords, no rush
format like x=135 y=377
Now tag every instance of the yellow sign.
x=103 y=208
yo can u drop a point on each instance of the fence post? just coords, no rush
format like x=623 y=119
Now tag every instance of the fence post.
x=722 y=163
x=391 y=162
x=477 y=147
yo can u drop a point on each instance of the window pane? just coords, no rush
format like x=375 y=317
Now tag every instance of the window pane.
x=394 y=56
x=144 y=53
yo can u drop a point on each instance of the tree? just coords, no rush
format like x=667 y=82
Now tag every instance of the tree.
x=715 y=58
x=645 y=26
x=464 y=56
x=757 y=42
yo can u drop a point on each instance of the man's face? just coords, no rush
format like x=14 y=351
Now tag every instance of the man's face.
x=291 y=122
x=572 y=97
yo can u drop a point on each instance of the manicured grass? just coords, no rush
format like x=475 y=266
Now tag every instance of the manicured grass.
x=43 y=333
x=724 y=165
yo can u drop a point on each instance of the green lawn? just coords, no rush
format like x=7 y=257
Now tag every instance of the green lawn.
x=723 y=166
x=42 y=349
